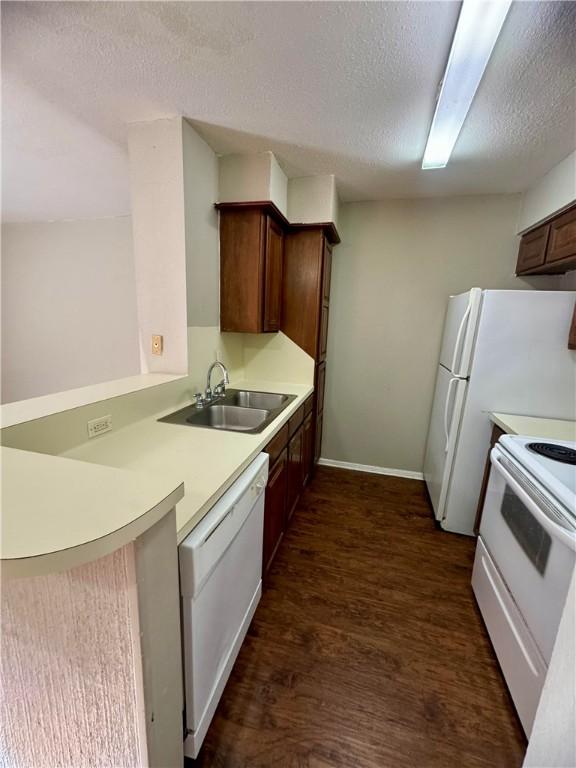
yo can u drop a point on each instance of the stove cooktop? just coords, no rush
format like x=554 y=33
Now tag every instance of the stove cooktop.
x=552 y=466
x=553 y=451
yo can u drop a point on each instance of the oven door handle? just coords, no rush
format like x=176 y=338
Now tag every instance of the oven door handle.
x=555 y=530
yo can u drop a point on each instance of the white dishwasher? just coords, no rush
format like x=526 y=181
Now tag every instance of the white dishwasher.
x=220 y=584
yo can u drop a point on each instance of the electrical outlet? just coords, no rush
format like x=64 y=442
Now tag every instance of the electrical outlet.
x=157 y=344
x=99 y=426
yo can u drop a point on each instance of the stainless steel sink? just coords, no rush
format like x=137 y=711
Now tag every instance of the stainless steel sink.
x=238 y=410
x=229 y=417
x=267 y=400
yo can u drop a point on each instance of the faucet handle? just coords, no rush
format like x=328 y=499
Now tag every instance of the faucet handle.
x=199 y=400
x=220 y=389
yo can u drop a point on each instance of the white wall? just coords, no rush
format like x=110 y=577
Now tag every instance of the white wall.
x=201 y=222
x=398 y=263
x=157 y=189
x=68 y=306
x=312 y=199
x=551 y=193
x=246 y=178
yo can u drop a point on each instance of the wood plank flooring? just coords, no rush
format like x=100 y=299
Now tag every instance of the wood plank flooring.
x=367 y=649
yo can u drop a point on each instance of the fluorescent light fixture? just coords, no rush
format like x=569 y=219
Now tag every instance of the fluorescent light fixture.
x=478 y=27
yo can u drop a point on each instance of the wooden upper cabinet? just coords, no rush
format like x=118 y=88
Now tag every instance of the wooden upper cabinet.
x=251 y=268
x=302 y=288
x=274 y=258
x=549 y=249
x=562 y=244
x=307 y=268
x=532 y=252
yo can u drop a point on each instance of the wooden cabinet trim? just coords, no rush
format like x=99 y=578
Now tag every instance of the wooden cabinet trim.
x=267 y=206
x=309 y=404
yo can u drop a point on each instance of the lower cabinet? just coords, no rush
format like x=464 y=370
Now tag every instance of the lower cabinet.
x=275 y=509
x=295 y=469
x=291 y=454
x=307 y=449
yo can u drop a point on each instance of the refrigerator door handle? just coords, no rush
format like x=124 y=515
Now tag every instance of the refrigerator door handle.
x=446 y=410
x=460 y=337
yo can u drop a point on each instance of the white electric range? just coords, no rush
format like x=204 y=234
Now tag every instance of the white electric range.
x=525 y=557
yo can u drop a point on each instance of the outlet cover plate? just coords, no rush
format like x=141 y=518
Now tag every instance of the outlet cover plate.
x=157 y=344
x=99 y=426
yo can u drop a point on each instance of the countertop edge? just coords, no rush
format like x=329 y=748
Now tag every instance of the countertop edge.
x=62 y=560
x=542 y=427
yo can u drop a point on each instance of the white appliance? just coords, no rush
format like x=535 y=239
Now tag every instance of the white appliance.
x=525 y=558
x=502 y=351
x=220 y=584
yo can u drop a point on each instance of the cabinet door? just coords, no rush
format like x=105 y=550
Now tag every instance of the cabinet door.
x=274 y=257
x=326 y=272
x=274 y=510
x=241 y=271
x=295 y=475
x=307 y=449
x=302 y=289
x=532 y=252
x=572 y=331
x=318 y=437
x=323 y=333
x=320 y=386
x=562 y=244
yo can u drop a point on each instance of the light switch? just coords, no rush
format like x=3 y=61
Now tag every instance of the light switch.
x=157 y=344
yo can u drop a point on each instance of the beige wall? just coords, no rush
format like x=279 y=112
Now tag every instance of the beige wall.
x=157 y=189
x=398 y=263
x=552 y=192
x=201 y=223
x=68 y=306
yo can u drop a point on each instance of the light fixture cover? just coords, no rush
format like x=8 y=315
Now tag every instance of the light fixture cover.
x=479 y=25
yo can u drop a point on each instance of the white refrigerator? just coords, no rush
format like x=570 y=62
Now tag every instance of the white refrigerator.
x=502 y=351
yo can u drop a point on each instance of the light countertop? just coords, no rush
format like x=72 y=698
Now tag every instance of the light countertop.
x=532 y=426
x=61 y=511
x=207 y=461
x=58 y=513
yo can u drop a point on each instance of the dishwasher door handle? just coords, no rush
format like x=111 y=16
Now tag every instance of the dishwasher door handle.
x=218 y=524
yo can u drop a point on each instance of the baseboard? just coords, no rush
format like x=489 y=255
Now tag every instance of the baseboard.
x=407 y=473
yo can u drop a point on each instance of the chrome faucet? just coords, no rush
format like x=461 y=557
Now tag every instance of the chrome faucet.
x=220 y=388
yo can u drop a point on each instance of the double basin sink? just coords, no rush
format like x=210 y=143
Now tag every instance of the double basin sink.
x=238 y=410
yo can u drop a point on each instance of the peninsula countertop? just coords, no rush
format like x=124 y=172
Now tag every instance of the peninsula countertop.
x=58 y=513
x=61 y=511
x=206 y=460
x=533 y=426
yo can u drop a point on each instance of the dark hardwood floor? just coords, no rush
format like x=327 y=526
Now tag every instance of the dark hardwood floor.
x=367 y=649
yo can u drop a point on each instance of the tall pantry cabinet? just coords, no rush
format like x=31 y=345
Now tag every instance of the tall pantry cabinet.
x=306 y=302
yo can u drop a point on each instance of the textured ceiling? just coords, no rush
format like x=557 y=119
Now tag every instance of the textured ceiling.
x=330 y=87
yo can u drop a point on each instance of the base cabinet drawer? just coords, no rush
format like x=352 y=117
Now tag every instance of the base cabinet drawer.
x=520 y=660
